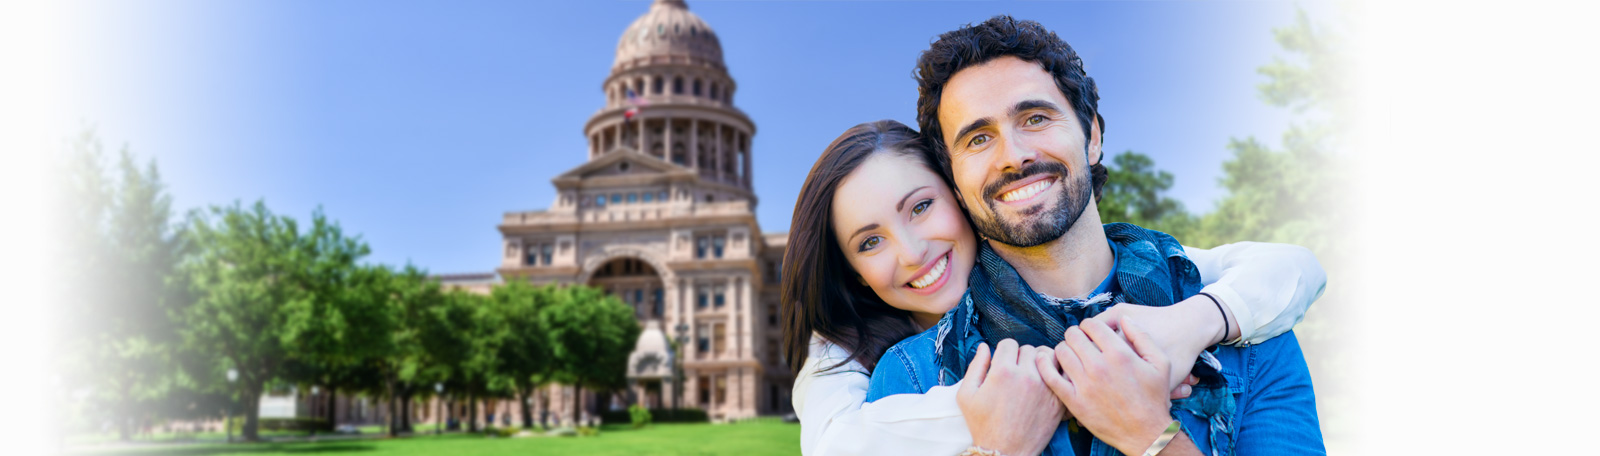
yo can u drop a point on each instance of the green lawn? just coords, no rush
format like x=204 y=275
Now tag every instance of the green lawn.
x=762 y=436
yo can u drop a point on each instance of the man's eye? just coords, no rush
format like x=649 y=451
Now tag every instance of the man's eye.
x=921 y=207
x=978 y=140
x=870 y=243
x=1036 y=119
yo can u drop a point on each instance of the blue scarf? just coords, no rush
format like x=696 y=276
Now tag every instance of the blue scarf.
x=1152 y=270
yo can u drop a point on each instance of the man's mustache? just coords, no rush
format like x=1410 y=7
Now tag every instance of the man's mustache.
x=1032 y=169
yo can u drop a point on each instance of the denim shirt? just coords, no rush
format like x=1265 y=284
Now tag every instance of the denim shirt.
x=1275 y=407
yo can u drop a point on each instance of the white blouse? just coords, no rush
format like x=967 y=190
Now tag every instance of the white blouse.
x=1268 y=287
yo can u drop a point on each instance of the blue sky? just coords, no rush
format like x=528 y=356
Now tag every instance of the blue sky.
x=417 y=124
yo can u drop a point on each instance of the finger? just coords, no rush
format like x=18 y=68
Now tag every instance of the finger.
x=1027 y=357
x=1068 y=360
x=975 y=371
x=1191 y=380
x=1109 y=342
x=1005 y=354
x=1080 y=344
x=1144 y=344
x=1050 y=373
x=1181 y=392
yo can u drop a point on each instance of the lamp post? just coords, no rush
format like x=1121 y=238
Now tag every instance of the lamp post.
x=227 y=423
x=438 y=409
x=677 y=381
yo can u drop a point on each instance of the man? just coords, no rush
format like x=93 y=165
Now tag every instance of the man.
x=1008 y=110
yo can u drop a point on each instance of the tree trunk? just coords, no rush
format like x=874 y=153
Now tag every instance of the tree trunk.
x=527 y=410
x=252 y=413
x=472 y=414
x=544 y=408
x=333 y=406
x=577 y=402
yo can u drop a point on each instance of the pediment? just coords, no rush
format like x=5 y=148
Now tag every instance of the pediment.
x=622 y=162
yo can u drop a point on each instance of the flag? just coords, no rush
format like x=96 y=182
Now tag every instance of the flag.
x=634 y=103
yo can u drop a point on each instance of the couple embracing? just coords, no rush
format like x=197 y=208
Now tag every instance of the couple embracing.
x=953 y=291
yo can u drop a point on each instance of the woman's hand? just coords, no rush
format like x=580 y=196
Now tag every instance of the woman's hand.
x=1181 y=331
x=1119 y=392
x=1005 y=401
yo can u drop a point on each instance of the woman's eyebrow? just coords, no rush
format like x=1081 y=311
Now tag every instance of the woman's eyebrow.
x=902 y=204
x=869 y=227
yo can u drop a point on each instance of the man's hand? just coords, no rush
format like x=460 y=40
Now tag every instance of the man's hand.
x=1181 y=331
x=1118 y=392
x=1007 y=405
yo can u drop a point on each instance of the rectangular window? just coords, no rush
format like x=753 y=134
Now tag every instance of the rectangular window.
x=719 y=338
x=716 y=246
x=546 y=252
x=720 y=301
x=702 y=339
x=659 y=304
x=700 y=300
x=533 y=256
x=633 y=198
x=700 y=247
x=600 y=201
x=638 y=296
x=616 y=198
x=648 y=197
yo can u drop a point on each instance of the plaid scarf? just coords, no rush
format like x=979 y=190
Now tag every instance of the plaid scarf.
x=1152 y=270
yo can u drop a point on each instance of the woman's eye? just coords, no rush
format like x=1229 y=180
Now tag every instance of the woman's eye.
x=978 y=140
x=921 y=207
x=870 y=243
x=1036 y=119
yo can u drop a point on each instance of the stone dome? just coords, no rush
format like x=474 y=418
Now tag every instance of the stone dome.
x=669 y=30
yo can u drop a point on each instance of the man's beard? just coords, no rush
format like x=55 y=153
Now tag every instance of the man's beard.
x=1048 y=223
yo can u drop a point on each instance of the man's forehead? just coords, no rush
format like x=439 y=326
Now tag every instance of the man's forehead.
x=991 y=88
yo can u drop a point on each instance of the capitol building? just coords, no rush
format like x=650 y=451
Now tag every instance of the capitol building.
x=662 y=216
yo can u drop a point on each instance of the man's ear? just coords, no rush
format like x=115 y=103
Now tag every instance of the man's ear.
x=1094 y=141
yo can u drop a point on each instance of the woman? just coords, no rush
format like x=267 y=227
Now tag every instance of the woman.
x=849 y=294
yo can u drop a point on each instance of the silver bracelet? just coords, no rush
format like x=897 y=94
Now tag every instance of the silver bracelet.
x=979 y=451
x=1164 y=439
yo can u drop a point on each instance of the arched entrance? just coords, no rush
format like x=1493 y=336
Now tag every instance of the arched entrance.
x=638 y=283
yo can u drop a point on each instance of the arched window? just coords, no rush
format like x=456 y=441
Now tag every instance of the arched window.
x=697 y=87
x=713 y=91
x=657 y=89
x=677 y=85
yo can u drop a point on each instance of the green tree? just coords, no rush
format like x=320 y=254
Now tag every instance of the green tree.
x=264 y=294
x=591 y=334
x=119 y=250
x=525 y=350
x=1135 y=192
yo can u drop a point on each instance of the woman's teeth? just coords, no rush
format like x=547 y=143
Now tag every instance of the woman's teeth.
x=932 y=275
x=1028 y=191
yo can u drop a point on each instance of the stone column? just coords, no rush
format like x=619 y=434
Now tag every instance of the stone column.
x=694 y=137
x=746 y=154
x=666 y=132
x=716 y=156
x=746 y=337
x=642 y=150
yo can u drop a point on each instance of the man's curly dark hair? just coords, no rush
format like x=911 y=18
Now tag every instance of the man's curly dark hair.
x=1000 y=36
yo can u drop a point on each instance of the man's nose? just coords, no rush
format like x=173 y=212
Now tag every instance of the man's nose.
x=1014 y=155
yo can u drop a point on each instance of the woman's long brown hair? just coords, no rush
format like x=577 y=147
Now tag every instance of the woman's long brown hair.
x=821 y=293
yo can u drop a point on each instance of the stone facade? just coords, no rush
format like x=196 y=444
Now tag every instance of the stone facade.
x=662 y=215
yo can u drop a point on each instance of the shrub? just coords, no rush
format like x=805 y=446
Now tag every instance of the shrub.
x=657 y=416
x=588 y=431
x=639 y=415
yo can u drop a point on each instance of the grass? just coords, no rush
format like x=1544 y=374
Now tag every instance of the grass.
x=761 y=436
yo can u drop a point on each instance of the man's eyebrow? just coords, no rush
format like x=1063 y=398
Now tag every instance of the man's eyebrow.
x=864 y=229
x=902 y=204
x=976 y=124
x=1025 y=105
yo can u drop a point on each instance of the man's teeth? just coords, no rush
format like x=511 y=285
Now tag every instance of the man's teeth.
x=932 y=275
x=1028 y=191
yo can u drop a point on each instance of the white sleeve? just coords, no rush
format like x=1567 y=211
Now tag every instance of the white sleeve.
x=1268 y=287
x=834 y=421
